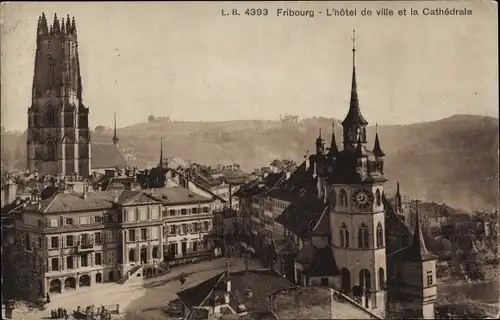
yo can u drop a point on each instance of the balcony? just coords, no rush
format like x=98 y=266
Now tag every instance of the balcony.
x=85 y=247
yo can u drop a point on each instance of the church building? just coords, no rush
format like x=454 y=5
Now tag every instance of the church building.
x=59 y=137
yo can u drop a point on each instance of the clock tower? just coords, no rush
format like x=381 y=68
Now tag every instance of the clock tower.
x=355 y=182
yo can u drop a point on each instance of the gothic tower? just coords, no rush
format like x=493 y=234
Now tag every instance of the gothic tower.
x=357 y=215
x=58 y=129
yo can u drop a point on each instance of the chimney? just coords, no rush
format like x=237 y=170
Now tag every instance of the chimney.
x=308 y=162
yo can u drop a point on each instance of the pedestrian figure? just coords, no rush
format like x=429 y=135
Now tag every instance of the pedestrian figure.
x=47 y=297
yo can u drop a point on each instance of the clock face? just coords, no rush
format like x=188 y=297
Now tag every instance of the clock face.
x=362 y=198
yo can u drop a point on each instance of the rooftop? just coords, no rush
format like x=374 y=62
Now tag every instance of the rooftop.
x=317 y=303
x=250 y=289
x=176 y=195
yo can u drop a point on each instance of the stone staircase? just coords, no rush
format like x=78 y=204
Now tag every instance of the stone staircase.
x=130 y=274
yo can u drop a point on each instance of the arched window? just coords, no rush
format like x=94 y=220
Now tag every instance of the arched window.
x=381 y=278
x=131 y=255
x=50 y=151
x=343 y=198
x=50 y=116
x=344 y=236
x=363 y=240
x=377 y=197
x=365 y=279
x=380 y=235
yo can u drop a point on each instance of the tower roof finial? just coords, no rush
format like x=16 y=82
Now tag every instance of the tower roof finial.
x=115 y=137
x=377 y=150
x=353 y=47
x=333 y=144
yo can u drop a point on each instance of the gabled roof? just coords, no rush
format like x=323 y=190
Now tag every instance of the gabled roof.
x=417 y=251
x=262 y=283
x=176 y=195
x=131 y=198
x=106 y=156
x=323 y=264
x=69 y=202
x=306 y=254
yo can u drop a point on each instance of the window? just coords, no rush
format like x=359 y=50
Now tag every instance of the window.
x=85 y=260
x=344 y=236
x=365 y=279
x=54 y=264
x=40 y=242
x=98 y=219
x=69 y=221
x=131 y=235
x=155 y=252
x=430 y=279
x=195 y=246
x=50 y=150
x=69 y=241
x=205 y=226
x=183 y=212
x=172 y=212
x=97 y=238
x=195 y=227
x=363 y=237
x=380 y=236
x=195 y=210
x=143 y=234
x=172 y=230
x=324 y=282
x=69 y=262
x=54 y=243
x=39 y=222
x=184 y=228
x=115 y=217
x=50 y=116
x=381 y=278
x=377 y=197
x=105 y=218
x=98 y=258
x=111 y=257
x=205 y=209
x=343 y=198
x=111 y=236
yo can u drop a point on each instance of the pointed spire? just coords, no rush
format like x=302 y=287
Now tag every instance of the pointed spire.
x=68 y=25
x=56 y=27
x=115 y=137
x=397 y=199
x=63 y=26
x=417 y=251
x=377 y=151
x=354 y=115
x=161 y=152
x=73 y=25
x=333 y=144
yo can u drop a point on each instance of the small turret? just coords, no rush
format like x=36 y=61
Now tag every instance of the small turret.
x=320 y=144
x=333 y=144
x=63 y=27
x=115 y=137
x=68 y=25
x=377 y=151
x=73 y=26
x=56 y=27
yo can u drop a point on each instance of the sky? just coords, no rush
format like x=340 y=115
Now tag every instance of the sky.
x=188 y=61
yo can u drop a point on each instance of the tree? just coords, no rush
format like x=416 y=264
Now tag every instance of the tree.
x=100 y=129
x=151 y=118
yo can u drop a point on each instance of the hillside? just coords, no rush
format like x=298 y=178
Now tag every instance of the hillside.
x=454 y=160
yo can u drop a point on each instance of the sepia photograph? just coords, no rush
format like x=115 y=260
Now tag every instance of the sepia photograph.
x=258 y=160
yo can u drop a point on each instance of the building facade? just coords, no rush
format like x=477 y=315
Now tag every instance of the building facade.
x=81 y=239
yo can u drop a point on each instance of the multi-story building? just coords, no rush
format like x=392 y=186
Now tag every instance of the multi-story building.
x=80 y=239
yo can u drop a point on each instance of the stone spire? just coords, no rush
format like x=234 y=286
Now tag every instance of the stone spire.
x=115 y=137
x=377 y=151
x=320 y=144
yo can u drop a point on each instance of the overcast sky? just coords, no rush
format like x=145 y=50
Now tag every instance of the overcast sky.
x=187 y=61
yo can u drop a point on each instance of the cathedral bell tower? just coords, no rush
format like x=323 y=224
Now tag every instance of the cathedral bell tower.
x=58 y=129
x=357 y=213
